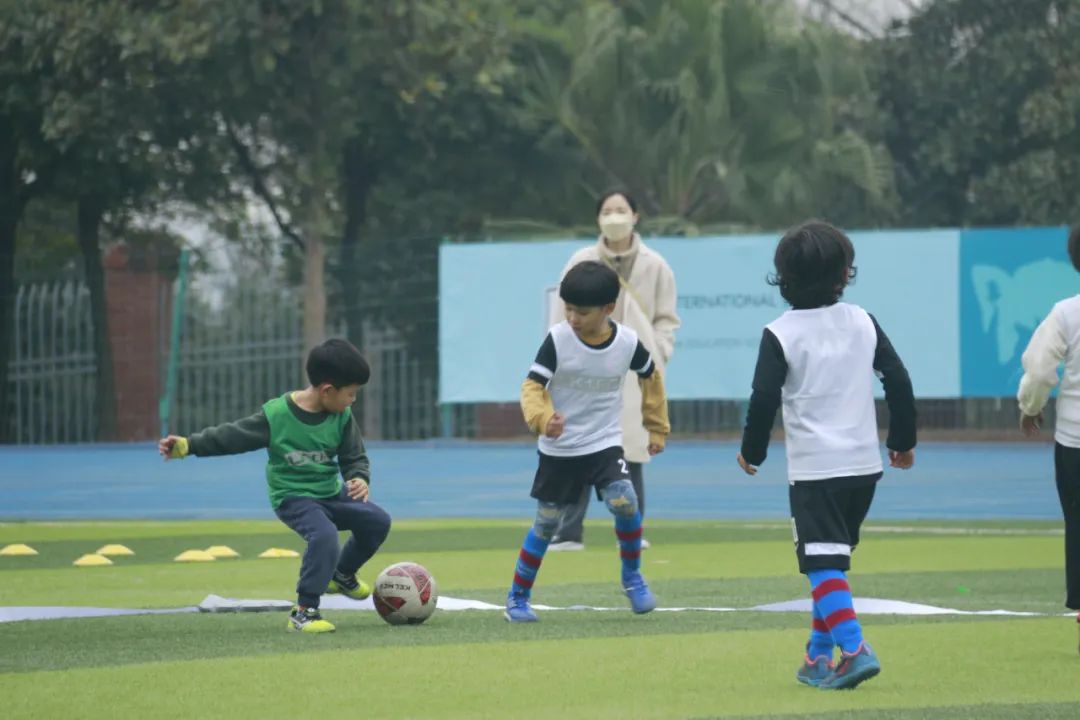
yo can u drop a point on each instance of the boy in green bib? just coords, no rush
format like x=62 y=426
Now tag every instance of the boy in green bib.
x=317 y=474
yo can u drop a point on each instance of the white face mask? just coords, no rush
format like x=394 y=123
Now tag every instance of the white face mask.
x=617 y=226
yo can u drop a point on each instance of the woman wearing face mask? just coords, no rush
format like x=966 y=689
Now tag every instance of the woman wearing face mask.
x=647 y=305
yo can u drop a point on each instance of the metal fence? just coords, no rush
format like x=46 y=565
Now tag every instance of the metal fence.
x=237 y=349
x=52 y=364
x=244 y=346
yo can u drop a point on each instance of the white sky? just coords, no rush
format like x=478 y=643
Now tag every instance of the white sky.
x=874 y=14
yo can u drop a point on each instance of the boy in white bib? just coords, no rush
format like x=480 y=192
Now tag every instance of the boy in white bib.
x=572 y=398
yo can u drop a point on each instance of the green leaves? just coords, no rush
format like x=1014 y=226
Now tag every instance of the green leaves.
x=982 y=100
x=713 y=112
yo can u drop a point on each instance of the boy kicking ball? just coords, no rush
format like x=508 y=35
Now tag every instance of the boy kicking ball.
x=572 y=398
x=317 y=473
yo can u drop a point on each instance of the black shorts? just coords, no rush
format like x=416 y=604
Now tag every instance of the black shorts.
x=561 y=479
x=826 y=516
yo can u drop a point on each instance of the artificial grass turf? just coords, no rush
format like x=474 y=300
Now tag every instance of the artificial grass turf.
x=590 y=664
x=707 y=674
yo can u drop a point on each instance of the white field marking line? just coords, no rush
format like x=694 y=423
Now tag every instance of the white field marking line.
x=927 y=530
x=19 y=614
x=214 y=603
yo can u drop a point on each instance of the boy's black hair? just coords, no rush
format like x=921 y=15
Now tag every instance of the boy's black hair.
x=604 y=198
x=589 y=284
x=1074 y=246
x=337 y=362
x=814 y=263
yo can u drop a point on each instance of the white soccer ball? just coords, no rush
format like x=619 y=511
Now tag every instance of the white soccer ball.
x=405 y=594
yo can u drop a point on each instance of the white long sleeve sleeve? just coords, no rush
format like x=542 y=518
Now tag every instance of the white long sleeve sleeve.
x=1041 y=359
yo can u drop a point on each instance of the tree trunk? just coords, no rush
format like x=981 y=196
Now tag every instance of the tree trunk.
x=358 y=173
x=90 y=213
x=314 y=280
x=315 y=215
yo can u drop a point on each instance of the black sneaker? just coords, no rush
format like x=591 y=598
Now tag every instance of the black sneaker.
x=308 y=620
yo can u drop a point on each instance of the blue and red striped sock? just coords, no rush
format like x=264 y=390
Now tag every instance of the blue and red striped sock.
x=528 y=563
x=628 y=530
x=832 y=598
x=821 y=642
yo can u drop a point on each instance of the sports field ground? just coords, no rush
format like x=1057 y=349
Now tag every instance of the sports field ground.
x=573 y=663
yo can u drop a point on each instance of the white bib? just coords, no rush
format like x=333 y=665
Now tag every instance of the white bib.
x=830 y=424
x=587 y=390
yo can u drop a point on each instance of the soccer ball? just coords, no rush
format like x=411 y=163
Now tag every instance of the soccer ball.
x=405 y=594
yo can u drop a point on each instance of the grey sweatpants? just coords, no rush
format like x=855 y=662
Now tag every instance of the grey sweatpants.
x=318 y=522
x=572 y=528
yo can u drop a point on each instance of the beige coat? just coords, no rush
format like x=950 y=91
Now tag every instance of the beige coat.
x=649 y=308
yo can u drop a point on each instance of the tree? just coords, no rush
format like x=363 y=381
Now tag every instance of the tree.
x=283 y=105
x=348 y=116
x=22 y=176
x=728 y=113
x=45 y=243
x=314 y=108
x=983 y=100
x=434 y=121
x=119 y=131
x=102 y=122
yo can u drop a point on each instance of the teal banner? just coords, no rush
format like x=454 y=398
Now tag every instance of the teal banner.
x=1009 y=281
x=494 y=300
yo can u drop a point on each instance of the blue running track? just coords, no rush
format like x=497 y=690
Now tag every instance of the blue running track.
x=698 y=480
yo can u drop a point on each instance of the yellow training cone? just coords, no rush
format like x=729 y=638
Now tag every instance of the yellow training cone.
x=279 y=553
x=222 y=551
x=194 y=556
x=18 y=549
x=93 y=560
x=115 y=550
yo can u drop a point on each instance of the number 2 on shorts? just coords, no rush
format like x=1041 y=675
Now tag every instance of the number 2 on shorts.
x=622 y=464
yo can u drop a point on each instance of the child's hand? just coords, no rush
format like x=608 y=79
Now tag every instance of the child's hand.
x=902 y=460
x=655 y=448
x=173 y=447
x=357 y=489
x=555 y=426
x=1031 y=424
x=747 y=467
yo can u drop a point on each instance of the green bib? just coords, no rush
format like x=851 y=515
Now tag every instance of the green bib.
x=302 y=458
